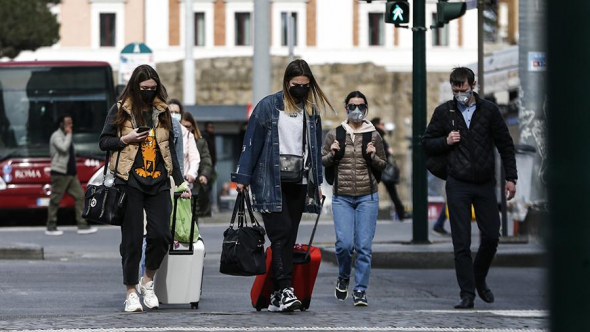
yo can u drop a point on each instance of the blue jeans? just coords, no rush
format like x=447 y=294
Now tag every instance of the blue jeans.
x=355 y=219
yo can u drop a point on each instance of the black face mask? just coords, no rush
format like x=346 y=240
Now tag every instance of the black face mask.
x=147 y=95
x=299 y=92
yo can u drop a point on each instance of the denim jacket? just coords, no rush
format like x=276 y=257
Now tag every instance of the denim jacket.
x=259 y=163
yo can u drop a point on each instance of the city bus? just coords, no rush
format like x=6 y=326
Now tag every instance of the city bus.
x=33 y=95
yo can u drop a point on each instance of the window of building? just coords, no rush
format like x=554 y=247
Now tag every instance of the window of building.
x=376 y=29
x=440 y=36
x=199 y=29
x=243 y=29
x=108 y=29
x=284 y=28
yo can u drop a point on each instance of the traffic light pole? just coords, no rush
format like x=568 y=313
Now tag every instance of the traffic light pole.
x=419 y=193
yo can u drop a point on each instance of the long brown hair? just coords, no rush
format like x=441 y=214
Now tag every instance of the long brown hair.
x=189 y=117
x=132 y=94
x=316 y=97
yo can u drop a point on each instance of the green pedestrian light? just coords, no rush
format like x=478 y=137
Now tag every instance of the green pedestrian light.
x=397 y=12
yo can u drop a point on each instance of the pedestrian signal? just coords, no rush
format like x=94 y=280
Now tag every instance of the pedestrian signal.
x=397 y=12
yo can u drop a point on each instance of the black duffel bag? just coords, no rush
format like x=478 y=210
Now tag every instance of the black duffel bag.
x=242 y=253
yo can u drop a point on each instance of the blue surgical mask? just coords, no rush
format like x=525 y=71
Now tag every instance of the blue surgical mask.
x=176 y=116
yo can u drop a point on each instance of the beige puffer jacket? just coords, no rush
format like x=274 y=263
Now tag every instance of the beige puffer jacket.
x=352 y=172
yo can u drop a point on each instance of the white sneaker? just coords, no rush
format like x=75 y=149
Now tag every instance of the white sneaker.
x=132 y=303
x=53 y=232
x=88 y=230
x=149 y=297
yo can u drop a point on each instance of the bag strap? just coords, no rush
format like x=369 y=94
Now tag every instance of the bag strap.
x=317 y=219
x=368 y=137
x=239 y=202
x=341 y=138
x=253 y=220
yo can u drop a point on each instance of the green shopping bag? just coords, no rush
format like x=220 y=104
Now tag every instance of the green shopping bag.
x=184 y=217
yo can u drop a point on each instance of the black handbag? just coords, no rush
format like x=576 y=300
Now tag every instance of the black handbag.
x=242 y=252
x=102 y=204
x=437 y=164
x=390 y=174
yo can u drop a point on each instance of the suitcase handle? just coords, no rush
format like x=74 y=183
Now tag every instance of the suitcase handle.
x=317 y=219
x=190 y=249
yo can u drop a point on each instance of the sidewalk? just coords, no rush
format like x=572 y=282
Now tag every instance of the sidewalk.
x=392 y=246
x=393 y=249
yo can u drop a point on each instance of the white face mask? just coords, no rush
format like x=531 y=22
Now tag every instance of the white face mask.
x=176 y=116
x=464 y=97
x=357 y=116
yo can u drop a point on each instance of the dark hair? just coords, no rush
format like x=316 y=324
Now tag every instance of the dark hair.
x=316 y=97
x=189 y=117
x=178 y=103
x=460 y=75
x=376 y=121
x=131 y=92
x=355 y=94
x=208 y=123
x=62 y=118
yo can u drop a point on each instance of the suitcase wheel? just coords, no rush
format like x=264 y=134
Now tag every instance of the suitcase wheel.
x=258 y=309
x=194 y=305
x=303 y=309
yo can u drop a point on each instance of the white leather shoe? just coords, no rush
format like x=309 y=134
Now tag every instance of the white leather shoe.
x=149 y=297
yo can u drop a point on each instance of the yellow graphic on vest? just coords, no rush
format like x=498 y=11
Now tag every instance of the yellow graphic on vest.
x=149 y=153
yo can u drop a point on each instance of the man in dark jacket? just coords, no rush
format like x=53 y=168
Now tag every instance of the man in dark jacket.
x=466 y=129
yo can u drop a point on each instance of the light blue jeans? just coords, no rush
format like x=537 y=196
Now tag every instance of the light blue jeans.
x=355 y=219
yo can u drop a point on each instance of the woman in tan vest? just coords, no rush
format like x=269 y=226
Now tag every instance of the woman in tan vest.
x=138 y=131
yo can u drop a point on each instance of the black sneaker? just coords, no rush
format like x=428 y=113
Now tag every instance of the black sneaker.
x=440 y=231
x=275 y=302
x=360 y=298
x=289 y=301
x=341 y=289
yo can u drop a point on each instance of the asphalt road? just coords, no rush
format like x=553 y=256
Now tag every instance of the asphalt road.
x=79 y=286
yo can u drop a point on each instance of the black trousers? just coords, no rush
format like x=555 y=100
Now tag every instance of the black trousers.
x=460 y=196
x=399 y=206
x=281 y=229
x=157 y=209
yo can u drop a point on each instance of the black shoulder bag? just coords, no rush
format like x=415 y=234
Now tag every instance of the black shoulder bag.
x=437 y=164
x=102 y=204
x=242 y=252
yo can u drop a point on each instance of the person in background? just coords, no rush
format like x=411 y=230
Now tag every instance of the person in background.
x=191 y=155
x=209 y=136
x=355 y=202
x=64 y=178
x=391 y=187
x=439 y=225
x=138 y=129
x=202 y=187
x=468 y=129
x=282 y=124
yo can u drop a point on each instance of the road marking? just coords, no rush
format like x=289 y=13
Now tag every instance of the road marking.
x=299 y=328
x=511 y=313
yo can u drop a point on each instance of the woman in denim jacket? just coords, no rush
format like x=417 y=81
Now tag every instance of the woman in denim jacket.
x=284 y=125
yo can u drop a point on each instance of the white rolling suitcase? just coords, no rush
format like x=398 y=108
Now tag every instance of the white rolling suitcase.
x=180 y=277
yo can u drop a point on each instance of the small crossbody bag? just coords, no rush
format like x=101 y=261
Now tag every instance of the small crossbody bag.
x=292 y=166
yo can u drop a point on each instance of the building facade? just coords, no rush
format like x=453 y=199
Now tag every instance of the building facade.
x=326 y=31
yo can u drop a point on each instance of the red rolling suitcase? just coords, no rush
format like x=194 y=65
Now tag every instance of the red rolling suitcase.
x=306 y=263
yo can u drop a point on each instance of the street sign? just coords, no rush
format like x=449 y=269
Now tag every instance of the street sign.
x=397 y=12
x=132 y=56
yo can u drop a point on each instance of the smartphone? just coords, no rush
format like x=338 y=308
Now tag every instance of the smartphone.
x=143 y=129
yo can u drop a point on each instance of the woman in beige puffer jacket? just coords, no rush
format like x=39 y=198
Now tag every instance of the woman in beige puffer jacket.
x=355 y=202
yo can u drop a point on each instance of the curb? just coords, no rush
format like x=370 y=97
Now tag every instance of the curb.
x=23 y=251
x=440 y=259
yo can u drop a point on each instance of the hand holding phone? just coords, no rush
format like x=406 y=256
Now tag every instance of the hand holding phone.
x=142 y=129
